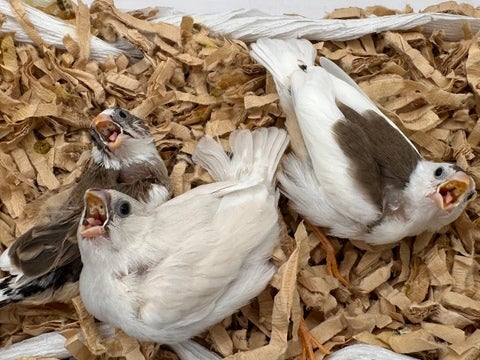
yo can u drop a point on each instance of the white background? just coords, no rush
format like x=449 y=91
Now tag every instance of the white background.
x=309 y=8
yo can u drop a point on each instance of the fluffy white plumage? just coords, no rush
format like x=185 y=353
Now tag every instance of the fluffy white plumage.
x=166 y=273
x=354 y=171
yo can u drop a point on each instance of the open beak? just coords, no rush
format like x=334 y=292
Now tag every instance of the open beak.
x=450 y=193
x=110 y=132
x=96 y=213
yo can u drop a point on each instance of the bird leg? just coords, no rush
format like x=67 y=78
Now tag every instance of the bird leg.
x=309 y=341
x=330 y=251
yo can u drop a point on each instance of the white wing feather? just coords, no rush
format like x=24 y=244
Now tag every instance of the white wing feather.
x=234 y=224
x=317 y=112
x=227 y=230
x=282 y=58
x=308 y=94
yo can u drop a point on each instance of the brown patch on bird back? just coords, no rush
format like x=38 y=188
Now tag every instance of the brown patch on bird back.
x=381 y=158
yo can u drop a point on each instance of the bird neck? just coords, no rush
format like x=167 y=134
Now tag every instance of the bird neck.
x=146 y=153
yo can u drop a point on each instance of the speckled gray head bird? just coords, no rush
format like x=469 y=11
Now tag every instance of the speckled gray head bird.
x=353 y=171
x=46 y=258
x=166 y=273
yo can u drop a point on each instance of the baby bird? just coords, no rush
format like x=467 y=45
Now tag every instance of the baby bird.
x=165 y=273
x=46 y=258
x=362 y=178
x=353 y=171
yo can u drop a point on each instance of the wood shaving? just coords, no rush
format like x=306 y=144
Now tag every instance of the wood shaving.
x=419 y=297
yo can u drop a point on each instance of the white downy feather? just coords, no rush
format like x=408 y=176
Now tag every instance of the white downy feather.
x=5 y=263
x=190 y=350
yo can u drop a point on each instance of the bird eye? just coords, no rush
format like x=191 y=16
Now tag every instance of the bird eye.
x=122 y=114
x=438 y=172
x=123 y=208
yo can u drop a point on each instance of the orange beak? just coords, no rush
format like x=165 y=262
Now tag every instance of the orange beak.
x=96 y=214
x=109 y=131
x=450 y=193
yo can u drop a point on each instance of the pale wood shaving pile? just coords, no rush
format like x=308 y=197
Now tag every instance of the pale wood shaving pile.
x=420 y=296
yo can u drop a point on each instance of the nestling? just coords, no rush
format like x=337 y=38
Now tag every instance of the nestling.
x=165 y=273
x=46 y=258
x=360 y=176
x=353 y=171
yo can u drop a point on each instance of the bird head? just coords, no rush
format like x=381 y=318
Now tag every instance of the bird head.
x=446 y=190
x=120 y=138
x=453 y=187
x=107 y=218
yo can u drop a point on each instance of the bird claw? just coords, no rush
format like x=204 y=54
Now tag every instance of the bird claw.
x=330 y=253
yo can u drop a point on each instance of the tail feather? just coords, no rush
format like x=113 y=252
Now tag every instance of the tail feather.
x=41 y=289
x=190 y=350
x=255 y=153
x=282 y=57
x=210 y=155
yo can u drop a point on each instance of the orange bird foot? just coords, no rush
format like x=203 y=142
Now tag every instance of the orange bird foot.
x=332 y=265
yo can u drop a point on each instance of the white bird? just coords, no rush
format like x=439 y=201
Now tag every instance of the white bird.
x=165 y=273
x=353 y=171
x=362 y=178
x=46 y=258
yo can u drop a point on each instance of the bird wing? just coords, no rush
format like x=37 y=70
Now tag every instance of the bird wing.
x=45 y=247
x=318 y=116
x=356 y=155
x=203 y=240
x=334 y=70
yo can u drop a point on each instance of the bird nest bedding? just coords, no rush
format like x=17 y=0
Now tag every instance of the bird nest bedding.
x=420 y=296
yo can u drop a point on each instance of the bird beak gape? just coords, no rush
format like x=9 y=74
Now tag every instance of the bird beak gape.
x=96 y=213
x=110 y=132
x=450 y=193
